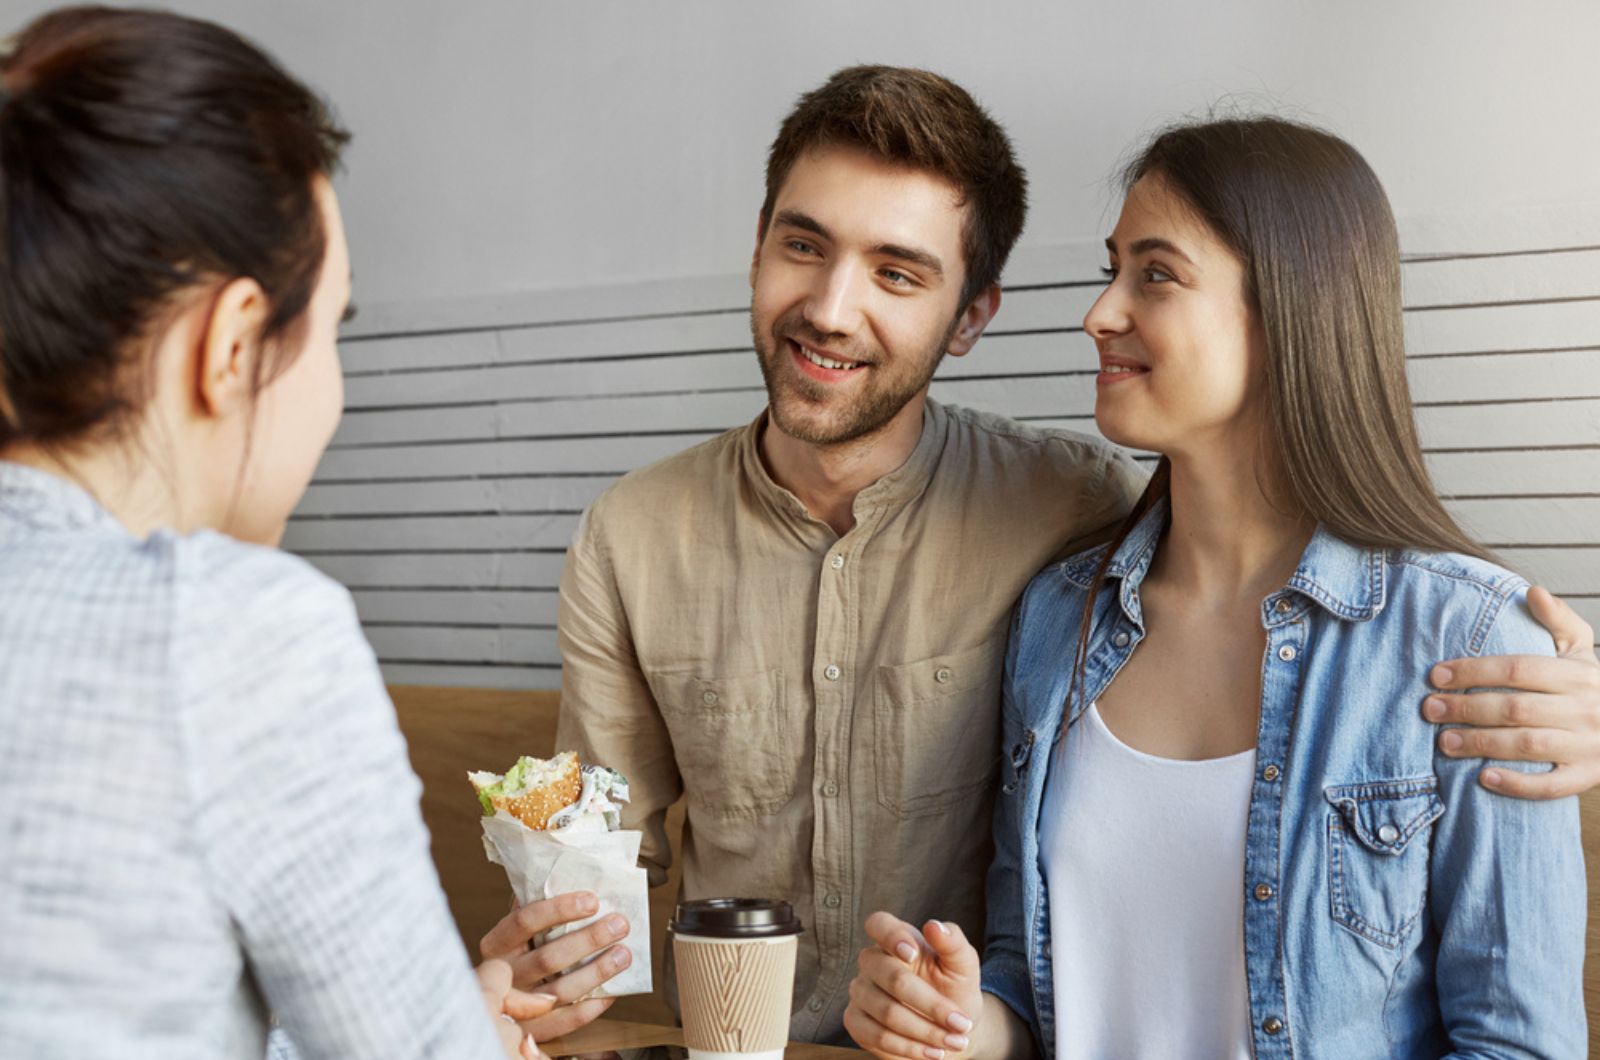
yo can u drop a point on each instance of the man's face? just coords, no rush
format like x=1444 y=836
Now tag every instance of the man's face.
x=855 y=288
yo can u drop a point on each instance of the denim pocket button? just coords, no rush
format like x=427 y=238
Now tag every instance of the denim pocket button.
x=1388 y=833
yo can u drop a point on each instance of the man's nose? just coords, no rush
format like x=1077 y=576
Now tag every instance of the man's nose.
x=835 y=303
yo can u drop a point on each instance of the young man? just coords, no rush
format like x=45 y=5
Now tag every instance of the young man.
x=800 y=625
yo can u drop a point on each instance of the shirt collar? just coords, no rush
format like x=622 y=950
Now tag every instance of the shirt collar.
x=892 y=490
x=48 y=501
x=1346 y=580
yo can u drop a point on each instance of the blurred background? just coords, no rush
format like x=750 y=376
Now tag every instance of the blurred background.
x=551 y=207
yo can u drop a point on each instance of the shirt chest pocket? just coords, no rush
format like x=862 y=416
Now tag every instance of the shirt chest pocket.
x=732 y=740
x=1378 y=846
x=936 y=730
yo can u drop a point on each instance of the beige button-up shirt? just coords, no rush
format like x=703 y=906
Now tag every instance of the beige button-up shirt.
x=829 y=705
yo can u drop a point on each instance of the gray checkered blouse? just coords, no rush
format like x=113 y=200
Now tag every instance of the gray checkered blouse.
x=206 y=809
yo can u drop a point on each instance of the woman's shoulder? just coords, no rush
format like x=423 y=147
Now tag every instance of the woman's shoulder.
x=1484 y=599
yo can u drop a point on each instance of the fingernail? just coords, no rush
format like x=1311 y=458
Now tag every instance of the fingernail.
x=529 y=1046
x=619 y=958
x=1433 y=708
x=1491 y=777
x=546 y=997
x=616 y=926
x=588 y=903
x=906 y=951
x=1442 y=675
x=961 y=1023
x=938 y=925
x=933 y=1054
x=955 y=1041
x=1451 y=741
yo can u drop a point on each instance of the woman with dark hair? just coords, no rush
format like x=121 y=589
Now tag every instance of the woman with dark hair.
x=206 y=809
x=1225 y=830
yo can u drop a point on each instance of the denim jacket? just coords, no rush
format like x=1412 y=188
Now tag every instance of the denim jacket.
x=1392 y=906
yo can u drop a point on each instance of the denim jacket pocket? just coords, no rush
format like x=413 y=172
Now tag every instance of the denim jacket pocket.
x=731 y=735
x=936 y=727
x=1378 y=837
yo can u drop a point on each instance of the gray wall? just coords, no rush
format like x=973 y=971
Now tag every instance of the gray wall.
x=550 y=204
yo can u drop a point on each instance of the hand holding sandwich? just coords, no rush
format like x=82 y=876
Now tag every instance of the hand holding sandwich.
x=540 y=967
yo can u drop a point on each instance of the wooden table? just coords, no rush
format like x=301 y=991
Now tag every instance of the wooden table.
x=604 y=1036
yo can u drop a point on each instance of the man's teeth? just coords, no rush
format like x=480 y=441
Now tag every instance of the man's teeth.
x=824 y=362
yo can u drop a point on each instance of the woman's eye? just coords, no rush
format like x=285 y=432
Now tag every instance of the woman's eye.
x=1109 y=272
x=1153 y=274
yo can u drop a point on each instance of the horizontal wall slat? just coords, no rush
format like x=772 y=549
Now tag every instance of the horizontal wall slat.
x=1561 y=423
x=481 y=570
x=1487 y=329
x=555 y=456
x=447 y=607
x=564 y=494
x=423 y=534
x=1563 y=570
x=530 y=677
x=1469 y=281
x=519 y=647
x=1530 y=520
x=1516 y=472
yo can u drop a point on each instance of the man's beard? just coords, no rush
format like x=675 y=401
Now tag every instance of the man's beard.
x=867 y=412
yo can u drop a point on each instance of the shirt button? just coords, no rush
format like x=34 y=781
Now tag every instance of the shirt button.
x=816 y=1004
x=832 y=901
x=1287 y=653
x=1272 y=1025
x=1121 y=640
x=1283 y=605
x=1388 y=833
x=831 y=673
x=837 y=562
x=1263 y=892
x=830 y=789
x=709 y=698
x=942 y=675
x=1271 y=773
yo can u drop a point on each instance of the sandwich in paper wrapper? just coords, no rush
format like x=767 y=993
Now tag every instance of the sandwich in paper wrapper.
x=556 y=827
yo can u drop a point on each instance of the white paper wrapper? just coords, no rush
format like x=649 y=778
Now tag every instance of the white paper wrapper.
x=545 y=864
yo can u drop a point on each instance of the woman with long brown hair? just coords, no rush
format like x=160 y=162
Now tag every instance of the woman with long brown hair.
x=1225 y=829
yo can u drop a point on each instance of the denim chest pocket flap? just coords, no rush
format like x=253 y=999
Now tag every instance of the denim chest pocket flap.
x=1378 y=854
x=731 y=738
x=936 y=727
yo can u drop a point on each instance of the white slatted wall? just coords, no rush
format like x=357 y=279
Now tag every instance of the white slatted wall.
x=477 y=432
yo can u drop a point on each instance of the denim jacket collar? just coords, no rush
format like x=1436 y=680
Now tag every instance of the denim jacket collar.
x=1347 y=581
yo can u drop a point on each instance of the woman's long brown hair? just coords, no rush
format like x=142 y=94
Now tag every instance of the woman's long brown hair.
x=1311 y=224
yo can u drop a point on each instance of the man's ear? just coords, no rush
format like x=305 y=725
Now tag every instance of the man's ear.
x=229 y=347
x=755 y=257
x=973 y=319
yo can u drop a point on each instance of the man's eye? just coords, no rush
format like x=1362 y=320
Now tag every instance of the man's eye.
x=799 y=246
x=895 y=276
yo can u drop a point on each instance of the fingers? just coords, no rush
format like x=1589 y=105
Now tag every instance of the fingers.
x=1509 y=709
x=1573 y=636
x=957 y=956
x=1529 y=673
x=494 y=981
x=1559 y=783
x=516 y=1043
x=580 y=982
x=524 y=1006
x=524 y=923
x=894 y=995
x=536 y=965
x=894 y=935
x=1517 y=745
x=567 y=1018
x=883 y=1025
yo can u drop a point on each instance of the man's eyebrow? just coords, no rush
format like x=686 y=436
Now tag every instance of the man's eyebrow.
x=911 y=255
x=1149 y=243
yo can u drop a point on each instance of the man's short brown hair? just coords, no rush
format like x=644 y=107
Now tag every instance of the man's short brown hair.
x=916 y=118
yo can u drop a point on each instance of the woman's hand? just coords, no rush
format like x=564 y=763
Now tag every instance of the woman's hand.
x=916 y=995
x=541 y=967
x=506 y=1006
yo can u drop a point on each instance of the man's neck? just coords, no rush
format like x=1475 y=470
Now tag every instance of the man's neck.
x=827 y=478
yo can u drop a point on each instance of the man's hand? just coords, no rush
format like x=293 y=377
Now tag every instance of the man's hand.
x=1554 y=716
x=541 y=967
x=506 y=1006
x=915 y=996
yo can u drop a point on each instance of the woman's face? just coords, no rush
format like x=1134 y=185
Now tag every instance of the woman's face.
x=295 y=413
x=1182 y=353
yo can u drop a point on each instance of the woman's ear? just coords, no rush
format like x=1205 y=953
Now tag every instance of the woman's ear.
x=229 y=348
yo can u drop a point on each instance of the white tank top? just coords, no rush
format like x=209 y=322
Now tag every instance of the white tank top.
x=1144 y=862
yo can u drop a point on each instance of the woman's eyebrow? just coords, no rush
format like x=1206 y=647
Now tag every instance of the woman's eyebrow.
x=1149 y=243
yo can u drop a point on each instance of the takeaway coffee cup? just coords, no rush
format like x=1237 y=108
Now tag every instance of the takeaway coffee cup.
x=735 y=959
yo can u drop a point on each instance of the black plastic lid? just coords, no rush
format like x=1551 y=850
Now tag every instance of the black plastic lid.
x=735 y=918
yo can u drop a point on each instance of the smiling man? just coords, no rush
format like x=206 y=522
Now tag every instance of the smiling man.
x=800 y=625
